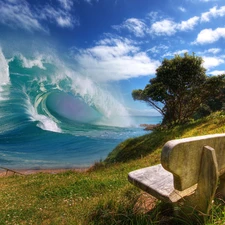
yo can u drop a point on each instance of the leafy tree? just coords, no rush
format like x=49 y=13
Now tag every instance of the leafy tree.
x=177 y=90
x=215 y=96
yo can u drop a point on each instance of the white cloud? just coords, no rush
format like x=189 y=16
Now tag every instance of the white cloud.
x=210 y=51
x=182 y=9
x=19 y=14
x=163 y=27
x=169 y=27
x=207 y=36
x=213 y=12
x=116 y=60
x=178 y=52
x=153 y=16
x=159 y=28
x=188 y=24
x=214 y=50
x=64 y=21
x=135 y=26
x=210 y=62
x=158 y=49
x=62 y=17
x=67 y=4
x=217 y=72
x=116 y=48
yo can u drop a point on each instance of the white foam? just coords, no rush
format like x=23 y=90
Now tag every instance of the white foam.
x=4 y=76
x=29 y=63
x=44 y=122
x=4 y=70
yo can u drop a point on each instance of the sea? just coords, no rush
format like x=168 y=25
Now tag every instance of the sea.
x=52 y=117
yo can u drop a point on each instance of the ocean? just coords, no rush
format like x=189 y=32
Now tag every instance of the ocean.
x=52 y=117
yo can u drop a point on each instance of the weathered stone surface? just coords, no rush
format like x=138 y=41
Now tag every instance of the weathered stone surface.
x=182 y=157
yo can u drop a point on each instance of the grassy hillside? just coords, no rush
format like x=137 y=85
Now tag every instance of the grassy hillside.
x=135 y=148
x=102 y=195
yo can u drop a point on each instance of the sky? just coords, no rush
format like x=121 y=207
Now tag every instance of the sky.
x=119 y=43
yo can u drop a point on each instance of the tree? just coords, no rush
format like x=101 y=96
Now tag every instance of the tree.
x=177 y=90
x=215 y=96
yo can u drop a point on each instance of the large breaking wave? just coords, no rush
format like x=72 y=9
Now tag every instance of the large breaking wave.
x=56 y=96
x=52 y=117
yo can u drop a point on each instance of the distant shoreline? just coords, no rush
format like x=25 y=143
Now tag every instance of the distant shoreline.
x=149 y=126
x=10 y=172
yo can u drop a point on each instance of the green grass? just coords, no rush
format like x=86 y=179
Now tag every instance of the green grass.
x=139 y=147
x=103 y=195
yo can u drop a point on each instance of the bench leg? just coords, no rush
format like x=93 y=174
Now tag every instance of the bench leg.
x=207 y=182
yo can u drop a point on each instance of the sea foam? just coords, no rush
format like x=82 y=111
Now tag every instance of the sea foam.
x=4 y=70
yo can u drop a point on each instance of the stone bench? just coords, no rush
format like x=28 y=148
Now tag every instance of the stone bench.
x=189 y=173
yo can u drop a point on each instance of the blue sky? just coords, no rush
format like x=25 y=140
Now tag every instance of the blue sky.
x=118 y=43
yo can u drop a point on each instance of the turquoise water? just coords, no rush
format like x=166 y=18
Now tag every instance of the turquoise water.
x=50 y=117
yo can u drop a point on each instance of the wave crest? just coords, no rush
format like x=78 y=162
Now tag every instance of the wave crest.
x=4 y=70
x=55 y=94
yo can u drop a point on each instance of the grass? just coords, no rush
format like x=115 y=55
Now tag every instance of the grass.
x=103 y=195
x=139 y=147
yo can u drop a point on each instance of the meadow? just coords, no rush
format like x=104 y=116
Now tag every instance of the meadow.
x=102 y=194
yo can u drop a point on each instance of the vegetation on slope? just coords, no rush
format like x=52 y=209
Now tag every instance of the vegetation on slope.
x=139 y=147
x=102 y=195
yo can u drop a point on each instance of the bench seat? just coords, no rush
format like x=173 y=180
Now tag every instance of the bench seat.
x=158 y=182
